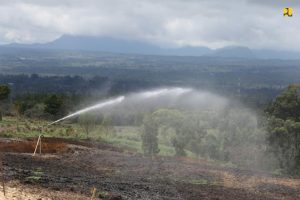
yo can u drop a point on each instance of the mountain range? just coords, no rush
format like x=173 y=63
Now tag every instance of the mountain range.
x=107 y=44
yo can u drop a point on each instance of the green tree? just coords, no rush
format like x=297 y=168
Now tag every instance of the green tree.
x=179 y=146
x=53 y=105
x=287 y=105
x=149 y=136
x=4 y=92
x=17 y=109
x=173 y=119
x=284 y=129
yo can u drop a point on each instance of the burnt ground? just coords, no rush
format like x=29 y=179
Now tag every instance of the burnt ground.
x=74 y=168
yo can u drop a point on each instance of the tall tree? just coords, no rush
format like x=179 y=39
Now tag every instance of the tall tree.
x=53 y=104
x=284 y=129
x=4 y=92
x=287 y=105
x=173 y=119
x=17 y=109
x=149 y=136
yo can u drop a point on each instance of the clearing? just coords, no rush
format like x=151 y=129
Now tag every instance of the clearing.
x=70 y=169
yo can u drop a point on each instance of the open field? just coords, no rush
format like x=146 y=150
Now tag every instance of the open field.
x=118 y=174
x=149 y=100
x=120 y=136
x=71 y=166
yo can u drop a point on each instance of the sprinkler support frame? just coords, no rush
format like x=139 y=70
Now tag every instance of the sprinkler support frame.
x=38 y=143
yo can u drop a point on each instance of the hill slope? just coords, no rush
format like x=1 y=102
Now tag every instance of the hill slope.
x=113 y=45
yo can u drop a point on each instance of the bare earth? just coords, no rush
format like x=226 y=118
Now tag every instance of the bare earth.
x=72 y=169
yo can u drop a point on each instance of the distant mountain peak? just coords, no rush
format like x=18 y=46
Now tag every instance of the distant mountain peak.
x=113 y=45
x=233 y=52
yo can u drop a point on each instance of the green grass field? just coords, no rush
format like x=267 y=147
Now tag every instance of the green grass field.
x=119 y=136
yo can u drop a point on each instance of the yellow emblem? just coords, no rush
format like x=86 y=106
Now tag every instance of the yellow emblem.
x=288 y=12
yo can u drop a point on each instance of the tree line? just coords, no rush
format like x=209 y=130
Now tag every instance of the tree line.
x=271 y=141
x=232 y=135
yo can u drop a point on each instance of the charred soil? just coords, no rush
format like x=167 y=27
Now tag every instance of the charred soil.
x=73 y=168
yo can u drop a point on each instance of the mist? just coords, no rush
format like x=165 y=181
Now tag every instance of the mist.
x=206 y=124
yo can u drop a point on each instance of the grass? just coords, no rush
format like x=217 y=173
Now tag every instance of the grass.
x=119 y=136
x=120 y=142
x=33 y=128
x=102 y=194
x=204 y=182
x=33 y=179
x=36 y=177
x=199 y=182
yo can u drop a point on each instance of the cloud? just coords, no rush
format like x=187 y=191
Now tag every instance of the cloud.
x=275 y=4
x=218 y=23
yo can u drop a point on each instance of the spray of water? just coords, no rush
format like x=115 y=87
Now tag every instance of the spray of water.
x=119 y=100
x=94 y=107
x=213 y=119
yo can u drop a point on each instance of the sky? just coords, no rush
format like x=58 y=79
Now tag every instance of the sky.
x=257 y=24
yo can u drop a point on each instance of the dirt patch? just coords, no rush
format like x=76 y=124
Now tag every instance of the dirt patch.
x=17 y=191
x=49 y=145
x=90 y=164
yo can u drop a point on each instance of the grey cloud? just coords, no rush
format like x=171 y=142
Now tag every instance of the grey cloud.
x=275 y=3
x=253 y=23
